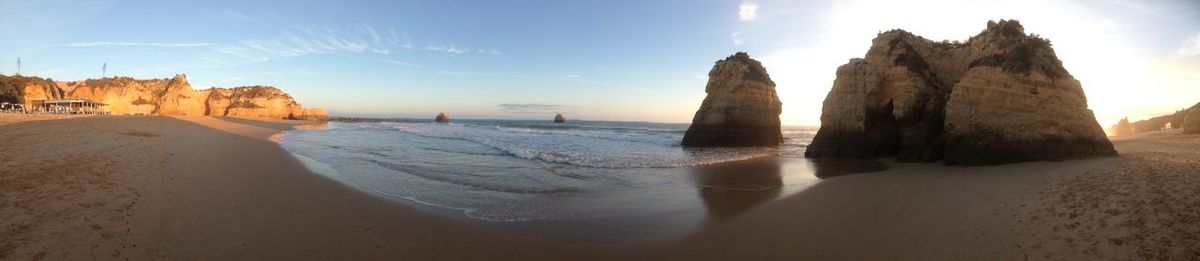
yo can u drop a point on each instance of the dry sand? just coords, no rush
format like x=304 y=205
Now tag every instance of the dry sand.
x=218 y=188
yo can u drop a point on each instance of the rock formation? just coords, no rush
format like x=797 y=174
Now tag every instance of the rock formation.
x=442 y=117
x=1122 y=128
x=1156 y=124
x=559 y=118
x=741 y=108
x=1002 y=96
x=174 y=96
x=1191 y=121
x=26 y=90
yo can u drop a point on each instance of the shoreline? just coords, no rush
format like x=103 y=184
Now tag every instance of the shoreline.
x=156 y=187
x=168 y=199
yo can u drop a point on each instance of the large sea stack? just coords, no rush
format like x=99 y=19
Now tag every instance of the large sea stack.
x=170 y=96
x=741 y=108
x=1000 y=97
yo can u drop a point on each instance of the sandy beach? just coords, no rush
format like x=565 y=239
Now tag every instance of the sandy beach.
x=157 y=187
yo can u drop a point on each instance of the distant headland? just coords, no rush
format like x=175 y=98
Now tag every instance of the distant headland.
x=168 y=96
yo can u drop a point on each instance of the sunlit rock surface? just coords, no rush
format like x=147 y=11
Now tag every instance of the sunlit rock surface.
x=741 y=108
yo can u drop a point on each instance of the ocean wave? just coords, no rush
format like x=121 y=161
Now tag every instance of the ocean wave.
x=586 y=148
x=508 y=171
x=471 y=179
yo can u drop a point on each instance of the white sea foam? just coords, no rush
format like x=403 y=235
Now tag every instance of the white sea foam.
x=515 y=171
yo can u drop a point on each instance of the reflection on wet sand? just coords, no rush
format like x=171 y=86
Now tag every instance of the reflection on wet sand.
x=730 y=189
x=829 y=168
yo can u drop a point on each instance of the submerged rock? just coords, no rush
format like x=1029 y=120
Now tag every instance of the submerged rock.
x=1002 y=96
x=442 y=117
x=741 y=109
x=559 y=118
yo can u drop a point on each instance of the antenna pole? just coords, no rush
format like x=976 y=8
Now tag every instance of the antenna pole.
x=18 y=65
x=104 y=70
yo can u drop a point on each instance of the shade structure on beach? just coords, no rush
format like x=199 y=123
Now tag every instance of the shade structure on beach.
x=73 y=106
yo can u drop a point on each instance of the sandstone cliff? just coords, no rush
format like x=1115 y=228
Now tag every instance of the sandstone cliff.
x=1002 y=96
x=1161 y=123
x=741 y=108
x=174 y=96
x=1191 y=121
x=1122 y=127
x=25 y=90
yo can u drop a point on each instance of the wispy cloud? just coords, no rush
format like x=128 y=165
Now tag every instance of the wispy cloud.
x=460 y=50
x=1136 y=6
x=531 y=108
x=376 y=43
x=747 y=12
x=95 y=44
x=1191 y=46
x=397 y=62
x=307 y=40
x=735 y=37
x=447 y=48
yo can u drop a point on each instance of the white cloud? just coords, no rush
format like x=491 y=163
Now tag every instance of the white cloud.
x=449 y=49
x=747 y=11
x=736 y=40
x=460 y=50
x=1191 y=46
x=398 y=63
x=94 y=44
x=310 y=40
x=455 y=73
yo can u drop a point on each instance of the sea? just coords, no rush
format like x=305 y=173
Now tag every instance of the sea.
x=596 y=181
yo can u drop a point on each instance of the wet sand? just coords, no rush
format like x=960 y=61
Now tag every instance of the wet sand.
x=201 y=188
x=218 y=188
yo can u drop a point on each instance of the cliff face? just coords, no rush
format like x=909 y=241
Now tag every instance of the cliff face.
x=25 y=90
x=256 y=101
x=1122 y=127
x=1191 y=121
x=741 y=108
x=1002 y=96
x=174 y=96
x=1175 y=120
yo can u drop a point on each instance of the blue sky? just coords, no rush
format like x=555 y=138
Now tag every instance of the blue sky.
x=604 y=60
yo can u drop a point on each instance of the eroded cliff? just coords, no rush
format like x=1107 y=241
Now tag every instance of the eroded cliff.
x=172 y=96
x=1002 y=96
x=1191 y=120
